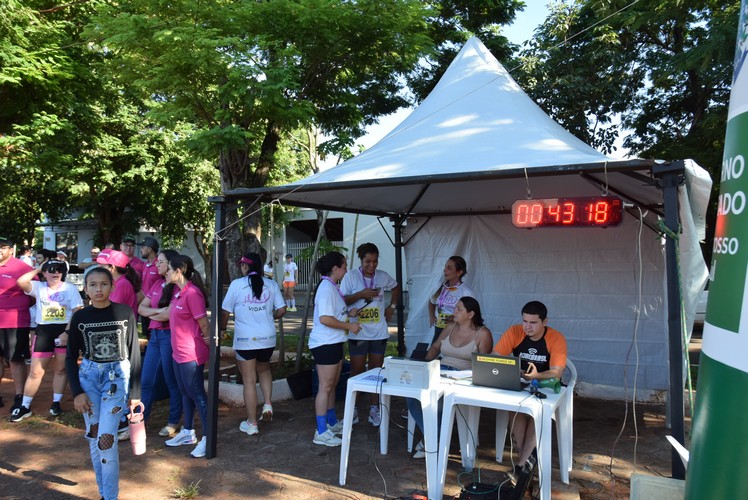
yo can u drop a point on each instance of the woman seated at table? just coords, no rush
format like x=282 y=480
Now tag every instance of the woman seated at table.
x=456 y=344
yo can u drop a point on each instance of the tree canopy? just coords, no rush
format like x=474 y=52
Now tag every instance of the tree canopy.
x=657 y=72
x=662 y=67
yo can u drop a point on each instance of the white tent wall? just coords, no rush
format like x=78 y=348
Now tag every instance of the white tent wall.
x=587 y=277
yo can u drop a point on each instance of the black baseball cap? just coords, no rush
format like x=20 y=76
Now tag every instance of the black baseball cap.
x=128 y=239
x=5 y=242
x=149 y=242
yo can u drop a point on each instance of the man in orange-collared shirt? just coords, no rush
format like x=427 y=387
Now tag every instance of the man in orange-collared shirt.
x=542 y=353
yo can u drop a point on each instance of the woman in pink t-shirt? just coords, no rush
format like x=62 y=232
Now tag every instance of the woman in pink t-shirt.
x=190 y=334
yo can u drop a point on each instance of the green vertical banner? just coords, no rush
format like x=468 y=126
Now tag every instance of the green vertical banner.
x=719 y=444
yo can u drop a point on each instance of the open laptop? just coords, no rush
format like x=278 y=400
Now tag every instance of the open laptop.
x=500 y=372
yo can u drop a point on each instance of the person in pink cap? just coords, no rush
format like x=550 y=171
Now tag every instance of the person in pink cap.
x=126 y=281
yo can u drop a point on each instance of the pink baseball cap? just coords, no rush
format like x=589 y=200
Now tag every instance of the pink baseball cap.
x=113 y=257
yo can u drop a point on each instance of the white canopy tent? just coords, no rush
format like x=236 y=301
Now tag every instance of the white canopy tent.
x=447 y=177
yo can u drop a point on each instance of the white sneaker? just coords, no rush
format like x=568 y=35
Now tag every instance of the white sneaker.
x=337 y=428
x=123 y=434
x=355 y=417
x=420 y=451
x=183 y=437
x=267 y=413
x=250 y=429
x=327 y=438
x=199 y=451
x=375 y=417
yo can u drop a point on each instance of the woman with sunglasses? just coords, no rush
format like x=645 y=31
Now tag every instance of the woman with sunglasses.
x=158 y=354
x=56 y=301
x=190 y=335
x=106 y=333
x=256 y=303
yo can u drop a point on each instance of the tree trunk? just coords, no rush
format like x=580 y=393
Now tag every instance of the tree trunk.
x=244 y=232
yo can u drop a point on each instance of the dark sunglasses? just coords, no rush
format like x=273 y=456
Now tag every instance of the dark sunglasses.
x=55 y=269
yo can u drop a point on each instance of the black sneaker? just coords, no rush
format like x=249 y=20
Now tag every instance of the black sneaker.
x=123 y=431
x=513 y=474
x=55 y=409
x=19 y=414
x=17 y=401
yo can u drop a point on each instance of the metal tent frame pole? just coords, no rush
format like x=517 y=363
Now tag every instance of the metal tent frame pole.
x=219 y=256
x=399 y=277
x=670 y=178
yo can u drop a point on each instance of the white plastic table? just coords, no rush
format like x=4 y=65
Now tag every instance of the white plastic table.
x=470 y=398
x=371 y=382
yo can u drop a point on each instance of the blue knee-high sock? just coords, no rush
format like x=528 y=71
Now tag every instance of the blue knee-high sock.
x=321 y=424
x=332 y=418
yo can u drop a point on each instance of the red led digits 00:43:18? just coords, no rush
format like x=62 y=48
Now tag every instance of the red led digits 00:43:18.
x=596 y=211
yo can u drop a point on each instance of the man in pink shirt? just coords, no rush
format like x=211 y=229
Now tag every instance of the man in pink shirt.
x=128 y=248
x=14 y=319
x=149 y=252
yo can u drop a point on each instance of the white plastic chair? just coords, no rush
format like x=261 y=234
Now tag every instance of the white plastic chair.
x=565 y=442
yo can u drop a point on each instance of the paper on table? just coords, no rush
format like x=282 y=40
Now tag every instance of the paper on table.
x=373 y=378
x=457 y=374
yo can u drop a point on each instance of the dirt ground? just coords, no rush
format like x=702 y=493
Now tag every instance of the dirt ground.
x=47 y=457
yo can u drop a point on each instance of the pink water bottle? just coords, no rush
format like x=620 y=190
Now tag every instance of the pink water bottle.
x=137 y=429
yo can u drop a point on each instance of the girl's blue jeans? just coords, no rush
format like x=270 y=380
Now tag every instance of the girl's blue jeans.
x=106 y=385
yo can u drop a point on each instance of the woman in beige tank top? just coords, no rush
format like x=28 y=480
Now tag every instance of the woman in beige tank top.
x=456 y=343
x=466 y=335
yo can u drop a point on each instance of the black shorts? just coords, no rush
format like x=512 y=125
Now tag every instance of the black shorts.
x=44 y=341
x=14 y=343
x=328 y=354
x=261 y=355
x=364 y=347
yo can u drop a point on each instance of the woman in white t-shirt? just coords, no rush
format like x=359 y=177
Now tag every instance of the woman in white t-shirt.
x=56 y=301
x=256 y=303
x=442 y=302
x=364 y=289
x=326 y=343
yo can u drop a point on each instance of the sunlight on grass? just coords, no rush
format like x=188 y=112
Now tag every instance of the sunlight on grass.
x=190 y=491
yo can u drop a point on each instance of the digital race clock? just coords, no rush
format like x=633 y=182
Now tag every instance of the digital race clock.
x=596 y=211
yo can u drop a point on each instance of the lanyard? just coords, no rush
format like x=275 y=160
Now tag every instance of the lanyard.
x=363 y=277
